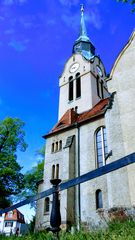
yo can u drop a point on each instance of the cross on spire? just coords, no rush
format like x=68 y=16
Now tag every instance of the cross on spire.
x=82 y=8
x=83 y=31
x=83 y=44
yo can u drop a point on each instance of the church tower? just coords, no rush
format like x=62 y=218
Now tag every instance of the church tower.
x=70 y=145
x=82 y=83
x=95 y=127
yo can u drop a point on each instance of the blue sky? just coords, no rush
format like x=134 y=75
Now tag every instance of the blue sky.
x=36 y=38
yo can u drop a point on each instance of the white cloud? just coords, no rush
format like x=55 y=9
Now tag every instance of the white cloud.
x=8 y=2
x=93 y=2
x=9 y=31
x=2 y=18
x=51 y=22
x=113 y=29
x=94 y=19
x=73 y=21
x=17 y=45
x=11 y=2
x=69 y=3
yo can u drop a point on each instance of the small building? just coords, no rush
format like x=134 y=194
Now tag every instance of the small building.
x=1 y=223
x=13 y=222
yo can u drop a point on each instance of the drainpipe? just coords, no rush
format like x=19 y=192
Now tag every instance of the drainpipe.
x=78 y=200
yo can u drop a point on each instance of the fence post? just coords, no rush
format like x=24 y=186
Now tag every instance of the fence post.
x=55 y=219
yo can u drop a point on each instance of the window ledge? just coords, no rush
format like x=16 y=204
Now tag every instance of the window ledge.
x=100 y=210
x=78 y=98
x=46 y=213
x=70 y=101
x=57 y=151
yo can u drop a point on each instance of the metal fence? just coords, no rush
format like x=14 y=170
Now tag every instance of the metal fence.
x=55 y=219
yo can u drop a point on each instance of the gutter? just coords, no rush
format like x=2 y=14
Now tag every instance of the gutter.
x=74 y=125
x=78 y=175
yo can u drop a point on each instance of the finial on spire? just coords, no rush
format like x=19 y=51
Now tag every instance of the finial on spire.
x=83 y=44
x=82 y=8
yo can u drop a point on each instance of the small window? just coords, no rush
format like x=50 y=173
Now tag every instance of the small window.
x=99 y=199
x=56 y=146
x=57 y=171
x=78 y=85
x=52 y=147
x=9 y=224
x=46 y=205
x=60 y=145
x=102 y=89
x=101 y=146
x=53 y=171
x=98 y=91
x=10 y=214
x=71 y=89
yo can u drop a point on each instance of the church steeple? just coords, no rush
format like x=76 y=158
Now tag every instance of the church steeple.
x=83 y=31
x=83 y=44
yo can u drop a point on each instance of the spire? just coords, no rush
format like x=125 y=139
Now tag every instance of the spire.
x=83 y=31
x=83 y=44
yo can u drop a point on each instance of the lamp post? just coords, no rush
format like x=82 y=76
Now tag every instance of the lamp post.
x=55 y=219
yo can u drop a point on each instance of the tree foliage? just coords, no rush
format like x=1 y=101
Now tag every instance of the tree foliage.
x=11 y=140
x=34 y=175
x=131 y=2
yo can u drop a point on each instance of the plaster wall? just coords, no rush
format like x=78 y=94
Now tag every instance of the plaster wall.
x=1 y=223
x=89 y=214
x=120 y=122
x=66 y=160
x=88 y=73
x=7 y=230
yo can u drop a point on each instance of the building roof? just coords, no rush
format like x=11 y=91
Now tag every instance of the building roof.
x=14 y=215
x=71 y=118
x=121 y=53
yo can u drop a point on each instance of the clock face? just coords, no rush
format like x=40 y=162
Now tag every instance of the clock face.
x=74 y=67
x=99 y=70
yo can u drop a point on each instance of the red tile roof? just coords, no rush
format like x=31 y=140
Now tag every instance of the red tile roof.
x=71 y=117
x=16 y=215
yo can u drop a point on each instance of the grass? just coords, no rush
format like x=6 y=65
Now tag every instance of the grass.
x=116 y=231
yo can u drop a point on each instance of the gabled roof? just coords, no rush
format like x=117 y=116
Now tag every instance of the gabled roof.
x=71 y=118
x=16 y=215
x=121 y=53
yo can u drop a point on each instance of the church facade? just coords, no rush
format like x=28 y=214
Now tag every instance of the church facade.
x=96 y=126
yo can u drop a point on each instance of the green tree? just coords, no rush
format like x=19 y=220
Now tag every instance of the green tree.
x=131 y=2
x=34 y=175
x=11 y=140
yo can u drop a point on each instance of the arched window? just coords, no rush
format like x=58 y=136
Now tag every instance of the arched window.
x=98 y=90
x=46 y=205
x=102 y=89
x=52 y=147
x=57 y=171
x=71 y=89
x=60 y=145
x=101 y=146
x=99 y=199
x=53 y=171
x=78 y=85
x=56 y=146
